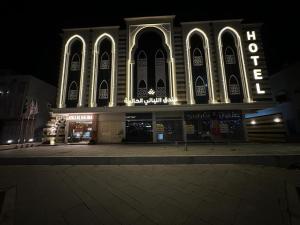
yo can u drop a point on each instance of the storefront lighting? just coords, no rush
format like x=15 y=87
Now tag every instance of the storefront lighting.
x=277 y=120
x=253 y=122
x=30 y=140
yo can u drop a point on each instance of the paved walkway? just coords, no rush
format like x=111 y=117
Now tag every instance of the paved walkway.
x=150 y=195
x=154 y=150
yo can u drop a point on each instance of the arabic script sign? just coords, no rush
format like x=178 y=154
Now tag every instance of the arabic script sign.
x=154 y=101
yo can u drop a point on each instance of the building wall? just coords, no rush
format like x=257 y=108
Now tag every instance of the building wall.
x=178 y=36
x=22 y=89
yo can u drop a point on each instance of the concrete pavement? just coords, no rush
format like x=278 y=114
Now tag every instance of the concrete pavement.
x=149 y=195
x=282 y=155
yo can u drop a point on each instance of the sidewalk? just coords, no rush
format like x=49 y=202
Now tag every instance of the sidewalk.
x=109 y=150
x=281 y=155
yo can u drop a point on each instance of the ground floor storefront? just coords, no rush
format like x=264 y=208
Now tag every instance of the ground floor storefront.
x=154 y=127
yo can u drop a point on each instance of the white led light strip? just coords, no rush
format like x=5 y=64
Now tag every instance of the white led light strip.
x=64 y=75
x=93 y=90
x=247 y=97
x=207 y=62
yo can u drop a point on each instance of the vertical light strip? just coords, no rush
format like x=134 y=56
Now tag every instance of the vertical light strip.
x=207 y=62
x=82 y=75
x=65 y=64
x=241 y=62
x=132 y=42
x=95 y=70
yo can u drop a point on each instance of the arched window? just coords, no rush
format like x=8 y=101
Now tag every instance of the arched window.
x=103 y=90
x=160 y=89
x=142 y=65
x=160 y=73
x=73 y=91
x=229 y=56
x=75 y=62
x=197 y=57
x=200 y=87
x=105 y=61
x=142 y=89
x=234 y=87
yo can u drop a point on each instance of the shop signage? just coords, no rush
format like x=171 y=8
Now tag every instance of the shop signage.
x=80 y=117
x=257 y=72
x=154 y=101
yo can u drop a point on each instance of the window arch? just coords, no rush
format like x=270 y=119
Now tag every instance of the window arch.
x=142 y=89
x=197 y=57
x=239 y=69
x=63 y=93
x=234 y=86
x=73 y=91
x=75 y=62
x=142 y=74
x=103 y=69
x=103 y=90
x=160 y=73
x=229 y=55
x=105 y=61
x=200 y=86
x=199 y=62
x=136 y=31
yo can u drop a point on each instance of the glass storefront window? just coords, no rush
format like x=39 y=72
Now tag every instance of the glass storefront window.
x=214 y=126
x=80 y=132
x=169 y=130
x=139 y=127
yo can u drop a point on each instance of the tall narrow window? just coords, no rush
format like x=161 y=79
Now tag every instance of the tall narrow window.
x=200 y=87
x=199 y=68
x=229 y=56
x=142 y=74
x=235 y=82
x=160 y=73
x=104 y=73
x=103 y=90
x=74 y=73
x=73 y=91
x=197 y=57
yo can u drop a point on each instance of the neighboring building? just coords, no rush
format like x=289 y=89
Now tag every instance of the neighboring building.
x=157 y=82
x=285 y=87
x=25 y=102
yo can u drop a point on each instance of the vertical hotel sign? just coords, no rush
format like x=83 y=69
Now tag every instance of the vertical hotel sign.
x=257 y=72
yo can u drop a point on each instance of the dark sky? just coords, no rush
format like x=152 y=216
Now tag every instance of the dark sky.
x=31 y=44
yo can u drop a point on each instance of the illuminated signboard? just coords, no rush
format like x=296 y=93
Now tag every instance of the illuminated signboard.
x=154 y=101
x=80 y=117
x=257 y=72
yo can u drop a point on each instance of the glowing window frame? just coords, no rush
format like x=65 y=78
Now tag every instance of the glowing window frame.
x=210 y=82
x=242 y=66
x=93 y=90
x=64 y=74
x=132 y=43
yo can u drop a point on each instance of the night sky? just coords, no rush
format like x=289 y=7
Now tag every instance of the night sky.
x=30 y=32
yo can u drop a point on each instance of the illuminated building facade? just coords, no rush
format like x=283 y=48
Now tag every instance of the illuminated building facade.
x=155 y=81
